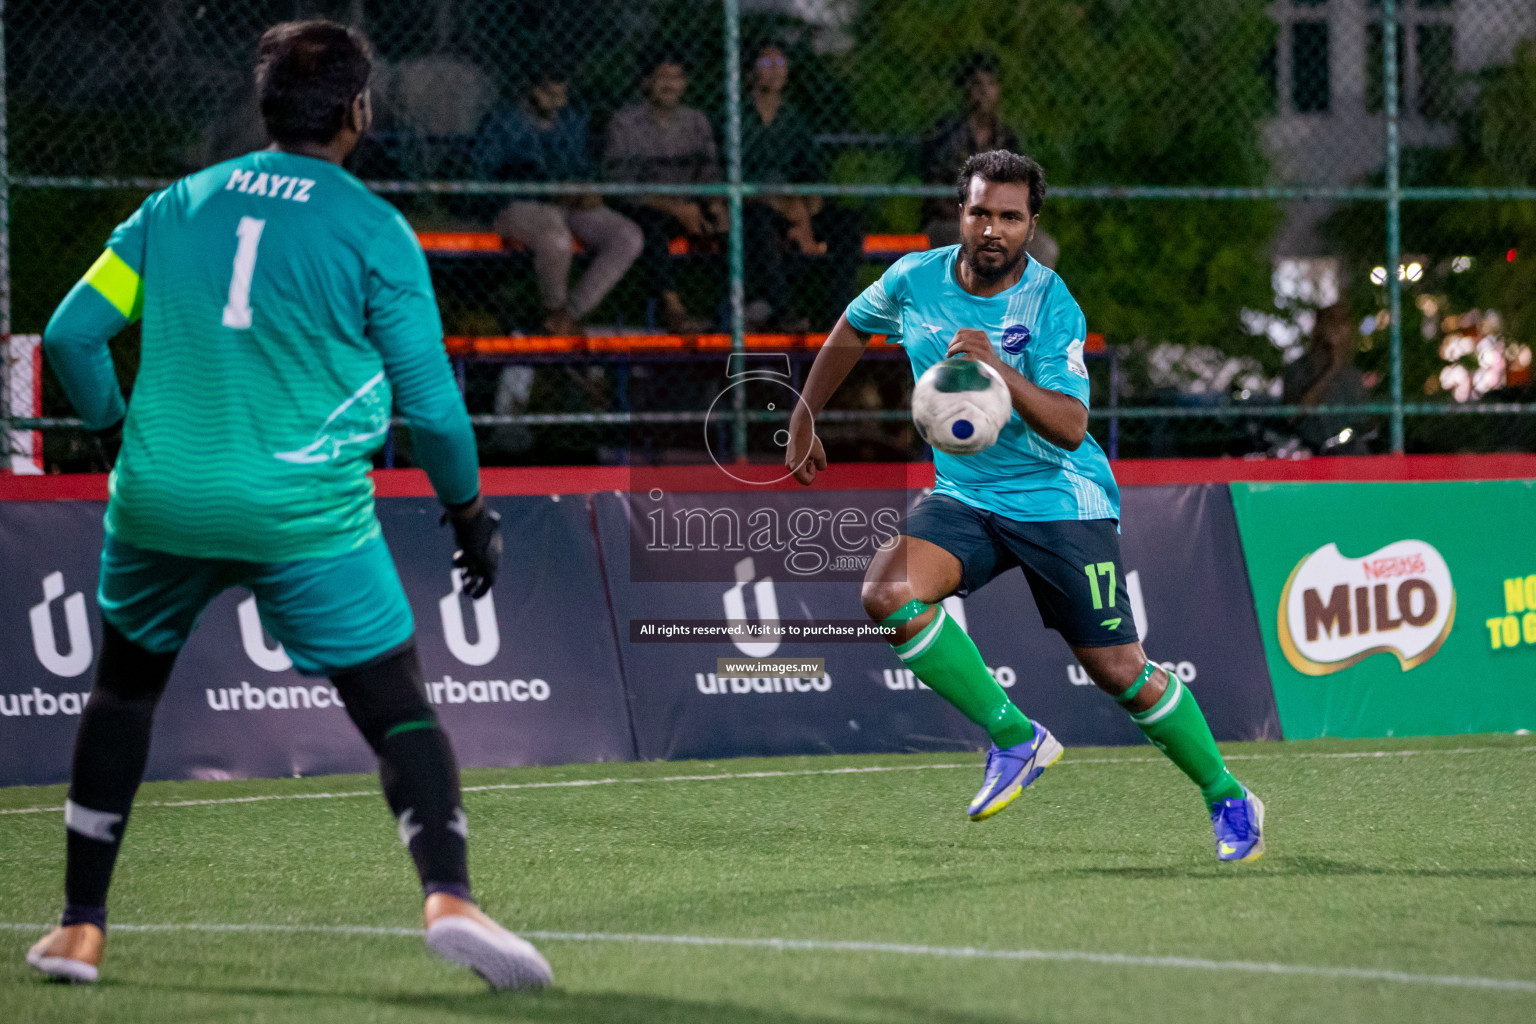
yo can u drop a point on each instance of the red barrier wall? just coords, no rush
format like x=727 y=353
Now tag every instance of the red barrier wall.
x=407 y=483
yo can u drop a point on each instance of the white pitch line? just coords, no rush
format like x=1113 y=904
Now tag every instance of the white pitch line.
x=563 y=784
x=727 y=776
x=892 y=948
x=283 y=929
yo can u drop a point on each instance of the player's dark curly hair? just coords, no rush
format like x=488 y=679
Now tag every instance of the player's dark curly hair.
x=1001 y=167
x=307 y=75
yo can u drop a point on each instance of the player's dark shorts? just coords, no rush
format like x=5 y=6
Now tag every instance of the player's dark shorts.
x=1073 y=566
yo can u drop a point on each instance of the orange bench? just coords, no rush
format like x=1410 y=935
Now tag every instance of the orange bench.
x=639 y=344
x=470 y=243
x=644 y=344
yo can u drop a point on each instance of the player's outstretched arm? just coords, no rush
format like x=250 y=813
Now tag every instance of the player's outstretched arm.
x=844 y=346
x=100 y=304
x=1059 y=418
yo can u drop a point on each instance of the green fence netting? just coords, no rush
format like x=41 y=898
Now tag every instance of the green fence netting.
x=1263 y=208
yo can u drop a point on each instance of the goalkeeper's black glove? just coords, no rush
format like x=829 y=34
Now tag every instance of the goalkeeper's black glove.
x=478 y=532
x=111 y=441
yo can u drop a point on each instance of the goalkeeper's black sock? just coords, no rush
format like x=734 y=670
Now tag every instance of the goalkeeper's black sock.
x=421 y=783
x=387 y=702
x=111 y=749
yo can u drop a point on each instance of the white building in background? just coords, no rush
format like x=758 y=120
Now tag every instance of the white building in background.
x=1329 y=129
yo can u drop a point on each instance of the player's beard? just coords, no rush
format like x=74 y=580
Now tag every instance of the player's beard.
x=996 y=272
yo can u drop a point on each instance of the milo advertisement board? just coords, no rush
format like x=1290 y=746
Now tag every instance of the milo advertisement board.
x=1395 y=608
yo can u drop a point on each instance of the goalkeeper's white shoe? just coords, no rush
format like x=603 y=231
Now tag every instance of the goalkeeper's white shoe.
x=460 y=932
x=69 y=954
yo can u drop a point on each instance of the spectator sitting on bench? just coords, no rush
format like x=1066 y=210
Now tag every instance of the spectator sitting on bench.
x=1326 y=375
x=956 y=138
x=543 y=137
x=657 y=140
x=777 y=148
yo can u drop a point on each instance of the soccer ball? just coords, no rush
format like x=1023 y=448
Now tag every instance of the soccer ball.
x=960 y=406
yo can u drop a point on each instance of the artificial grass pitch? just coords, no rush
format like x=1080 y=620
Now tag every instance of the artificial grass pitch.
x=1098 y=891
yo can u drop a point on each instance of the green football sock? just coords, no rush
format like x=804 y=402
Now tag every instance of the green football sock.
x=1177 y=727
x=942 y=656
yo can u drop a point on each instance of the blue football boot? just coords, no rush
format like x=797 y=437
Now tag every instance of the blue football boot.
x=1239 y=826
x=1010 y=769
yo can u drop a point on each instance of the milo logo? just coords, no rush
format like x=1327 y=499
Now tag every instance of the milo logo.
x=1336 y=611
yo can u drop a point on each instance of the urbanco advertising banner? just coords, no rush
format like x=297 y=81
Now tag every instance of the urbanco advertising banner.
x=1395 y=608
x=676 y=630
x=526 y=675
x=681 y=620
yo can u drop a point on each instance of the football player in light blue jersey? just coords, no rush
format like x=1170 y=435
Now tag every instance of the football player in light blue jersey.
x=1042 y=498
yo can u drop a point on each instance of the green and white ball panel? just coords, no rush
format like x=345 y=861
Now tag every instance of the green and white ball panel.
x=960 y=406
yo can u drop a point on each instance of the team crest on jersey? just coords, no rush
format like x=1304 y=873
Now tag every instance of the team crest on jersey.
x=1015 y=337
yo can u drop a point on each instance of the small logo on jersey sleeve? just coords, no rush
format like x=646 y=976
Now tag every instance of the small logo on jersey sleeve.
x=1075 y=358
x=1015 y=337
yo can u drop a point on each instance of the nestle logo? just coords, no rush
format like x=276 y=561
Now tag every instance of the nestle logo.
x=1386 y=568
x=1015 y=337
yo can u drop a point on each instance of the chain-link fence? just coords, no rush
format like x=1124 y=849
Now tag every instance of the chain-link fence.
x=1289 y=229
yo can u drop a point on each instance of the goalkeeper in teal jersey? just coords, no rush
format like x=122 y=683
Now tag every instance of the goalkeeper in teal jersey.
x=1042 y=498
x=285 y=311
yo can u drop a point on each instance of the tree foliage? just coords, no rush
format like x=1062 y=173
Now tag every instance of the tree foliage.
x=1154 y=92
